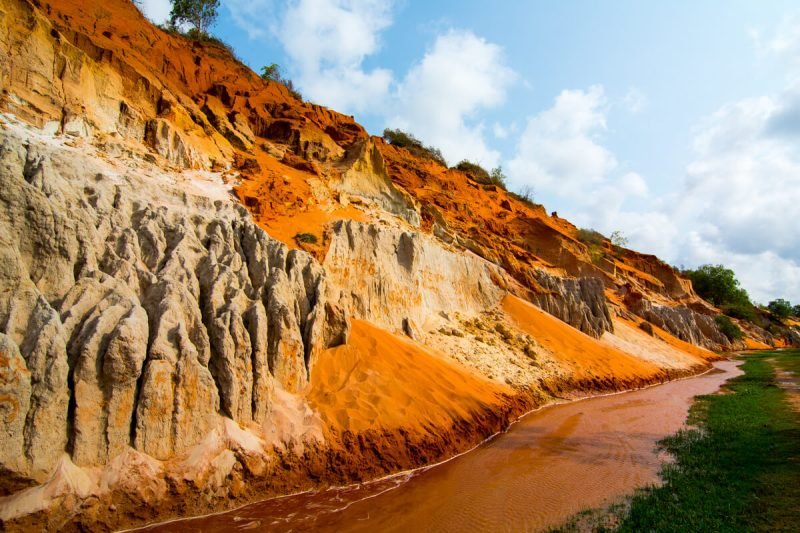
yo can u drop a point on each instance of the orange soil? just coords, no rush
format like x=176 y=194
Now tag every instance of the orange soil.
x=585 y=357
x=379 y=380
x=752 y=344
x=280 y=199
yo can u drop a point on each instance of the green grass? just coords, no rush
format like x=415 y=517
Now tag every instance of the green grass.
x=739 y=470
x=306 y=238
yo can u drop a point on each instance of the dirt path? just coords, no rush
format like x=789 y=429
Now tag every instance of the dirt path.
x=788 y=381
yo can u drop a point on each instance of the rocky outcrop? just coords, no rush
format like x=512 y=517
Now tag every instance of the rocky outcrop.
x=363 y=173
x=684 y=323
x=399 y=279
x=580 y=302
x=133 y=314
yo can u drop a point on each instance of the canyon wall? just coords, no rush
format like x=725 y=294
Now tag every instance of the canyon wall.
x=159 y=345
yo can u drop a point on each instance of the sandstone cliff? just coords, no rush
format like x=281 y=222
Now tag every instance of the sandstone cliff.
x=164 y=336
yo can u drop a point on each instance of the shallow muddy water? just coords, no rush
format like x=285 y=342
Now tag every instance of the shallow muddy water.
x=553 y=463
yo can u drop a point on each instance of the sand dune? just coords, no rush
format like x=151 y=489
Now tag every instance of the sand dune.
x=381 y=380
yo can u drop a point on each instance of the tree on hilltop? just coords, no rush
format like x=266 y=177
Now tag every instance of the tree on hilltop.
x=718 y=285
x=200 y=14
x=780 y=308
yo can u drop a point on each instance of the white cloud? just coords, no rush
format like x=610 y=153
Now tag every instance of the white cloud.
x=156 y=10
x=438 y=99
x=559 y=150
x=743 y=192
x=737 y=204
x=250 y=15
x=328 y=33
x=328 y=40
x=500 y=131
x=634 y=100
x=785 y=41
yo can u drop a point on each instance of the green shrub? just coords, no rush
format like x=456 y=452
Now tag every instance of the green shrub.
x=273 y=73
x=590 y=237
x=306 y=238
x=411 y=144
x=728 y=328
x=478 y=174
x=596 y=253
x=474 y=171
x=744 y=311
x=780 y=308
x=525 y=196
x=200 y=37
x=498 y=177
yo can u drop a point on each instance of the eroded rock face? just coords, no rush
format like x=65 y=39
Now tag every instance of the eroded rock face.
x=133 y=314
x=364 y=174
x=684 y=323
x=395 y=278
x=580 y=302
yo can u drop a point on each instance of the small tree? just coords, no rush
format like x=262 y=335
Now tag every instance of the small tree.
x=407 y=140
x=718 y=285
x=199 y=14
x=271 y=72
x=619 y=239
x=498 y=176
x=796 y=311
x=780 y=308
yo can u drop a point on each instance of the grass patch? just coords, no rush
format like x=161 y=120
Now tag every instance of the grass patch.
x=413 y=145
x=306 y=238
x=739 y=469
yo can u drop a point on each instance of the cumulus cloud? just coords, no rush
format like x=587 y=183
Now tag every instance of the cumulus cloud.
x=250 y=15
x=736 y=204
x=440 y=96
x=156 y=10
x=328 y=40
x=634 y=100
x=785 y=41
x=559 y=151
x=744 y=186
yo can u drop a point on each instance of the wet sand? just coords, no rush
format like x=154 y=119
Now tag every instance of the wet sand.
x=553 y=463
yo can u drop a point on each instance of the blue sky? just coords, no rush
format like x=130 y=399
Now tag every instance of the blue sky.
x=677 y=122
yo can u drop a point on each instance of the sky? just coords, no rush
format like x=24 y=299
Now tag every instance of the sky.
x=676 y=123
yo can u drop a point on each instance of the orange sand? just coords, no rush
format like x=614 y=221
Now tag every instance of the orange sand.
x=584 y=356
x=280 y=199
x=381 y=380
x=752 y=344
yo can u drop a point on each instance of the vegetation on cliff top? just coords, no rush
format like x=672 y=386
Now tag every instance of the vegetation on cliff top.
x=273 y=73
x=402 y=139
x=199 y=14
x=719 y=285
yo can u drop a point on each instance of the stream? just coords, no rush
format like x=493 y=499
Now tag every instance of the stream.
x=551 y=464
